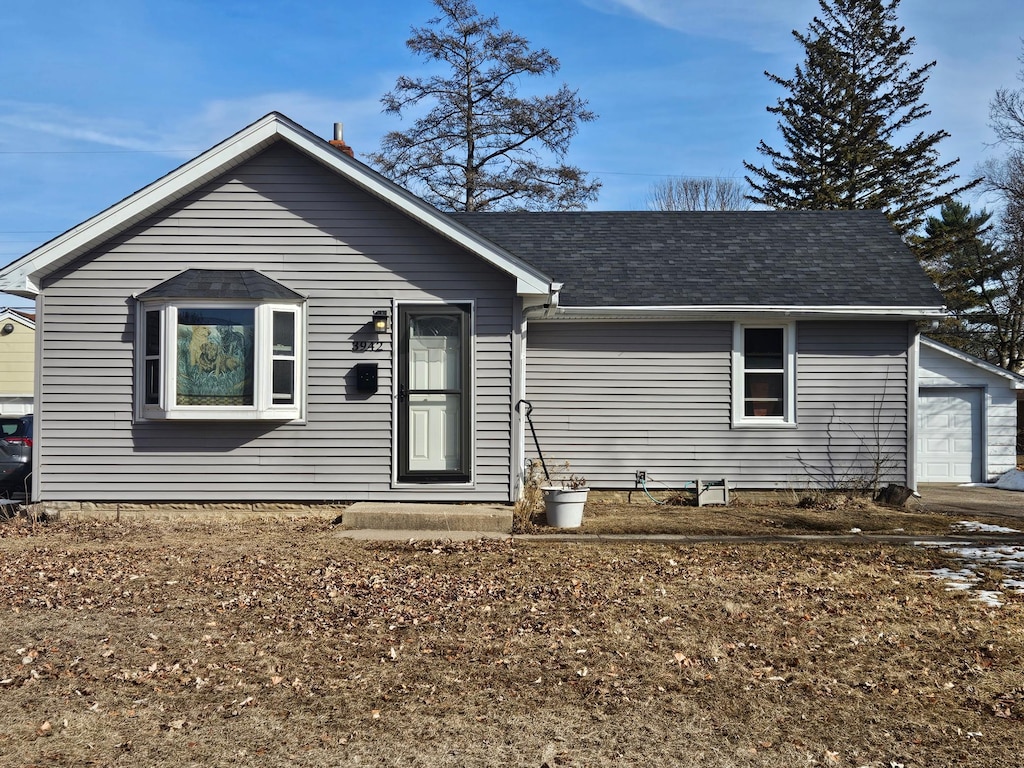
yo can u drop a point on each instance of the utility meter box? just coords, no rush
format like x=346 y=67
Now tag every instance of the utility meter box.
x=712 y=492
x=366 y=377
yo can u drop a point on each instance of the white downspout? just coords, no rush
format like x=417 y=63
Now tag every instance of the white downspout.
x=551 y=308
x=37 y=400
x=518 y=457
x=913 y=393
x=520 y=392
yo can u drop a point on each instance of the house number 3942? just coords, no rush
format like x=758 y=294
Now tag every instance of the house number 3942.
x=367 y=346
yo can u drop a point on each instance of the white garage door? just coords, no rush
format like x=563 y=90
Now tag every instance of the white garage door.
x=949 y=443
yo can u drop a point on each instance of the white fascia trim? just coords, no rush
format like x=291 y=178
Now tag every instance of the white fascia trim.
x=22 y=278
x=8 y=315
x=1016 y=380
x=729 y=311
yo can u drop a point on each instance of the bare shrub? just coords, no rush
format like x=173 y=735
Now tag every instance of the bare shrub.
x=531 y=503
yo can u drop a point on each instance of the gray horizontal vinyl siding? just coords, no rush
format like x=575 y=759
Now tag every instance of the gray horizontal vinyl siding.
x=938 y=369
x=350 y=254
x=615 y=398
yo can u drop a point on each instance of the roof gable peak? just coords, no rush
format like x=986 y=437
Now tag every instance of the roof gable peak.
x=23 y=277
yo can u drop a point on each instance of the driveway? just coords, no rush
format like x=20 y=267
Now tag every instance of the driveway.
x=969 y=500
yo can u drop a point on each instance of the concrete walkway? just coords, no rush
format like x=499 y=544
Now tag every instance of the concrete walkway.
x=969 y=500
x=666 y=538
x=381 y=534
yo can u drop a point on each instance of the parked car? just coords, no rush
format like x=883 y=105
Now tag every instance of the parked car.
x=15 y=456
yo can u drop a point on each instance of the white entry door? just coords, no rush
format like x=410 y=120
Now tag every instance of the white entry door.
x=949 y=435
x=433 y=419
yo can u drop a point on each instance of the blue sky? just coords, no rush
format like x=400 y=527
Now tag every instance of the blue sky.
x=100 y=97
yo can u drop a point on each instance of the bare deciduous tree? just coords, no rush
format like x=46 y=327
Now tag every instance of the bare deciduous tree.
x=698 y=193
x=1002 y=291
x=482 y=146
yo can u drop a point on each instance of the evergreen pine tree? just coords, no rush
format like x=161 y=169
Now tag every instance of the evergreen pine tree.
x=979 y=267
x=846 y=122
x=958 y=255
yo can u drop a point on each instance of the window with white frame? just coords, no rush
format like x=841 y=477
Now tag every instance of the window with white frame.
x=763 y=375
x=220 y=358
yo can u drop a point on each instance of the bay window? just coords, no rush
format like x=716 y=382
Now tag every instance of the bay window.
x=220 y=358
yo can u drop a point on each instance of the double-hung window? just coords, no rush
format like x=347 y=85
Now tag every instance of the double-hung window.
x=233 y=354
x=763 y=375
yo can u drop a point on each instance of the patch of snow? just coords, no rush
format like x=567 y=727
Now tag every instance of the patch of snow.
x=959 y=586
x=948 y=573
x=1011 y=481
x=989 y=598
x=1017 y=585
x=1008 y=558
x=956 y=580
x=969 y=525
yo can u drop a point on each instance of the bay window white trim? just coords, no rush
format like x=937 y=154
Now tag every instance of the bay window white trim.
x=744 y=368
x=158 y=394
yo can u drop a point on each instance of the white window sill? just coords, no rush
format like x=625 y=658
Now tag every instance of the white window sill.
x=430 y=485
x=763 y=424
x=223 y=414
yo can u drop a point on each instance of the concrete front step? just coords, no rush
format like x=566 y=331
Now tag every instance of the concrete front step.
x=397 y=516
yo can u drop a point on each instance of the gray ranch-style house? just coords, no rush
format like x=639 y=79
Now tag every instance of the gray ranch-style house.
x=276 y=321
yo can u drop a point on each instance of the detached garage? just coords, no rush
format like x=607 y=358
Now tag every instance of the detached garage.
x=966 y=417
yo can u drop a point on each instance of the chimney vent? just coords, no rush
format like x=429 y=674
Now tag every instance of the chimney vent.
x=339 y=142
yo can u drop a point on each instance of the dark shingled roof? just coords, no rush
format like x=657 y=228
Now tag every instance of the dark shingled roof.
x=753 y=258
x=220 y=284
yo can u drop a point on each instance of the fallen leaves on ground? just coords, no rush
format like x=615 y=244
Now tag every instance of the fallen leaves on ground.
x=280 y=643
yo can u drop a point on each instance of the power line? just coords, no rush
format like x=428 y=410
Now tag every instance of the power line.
x=166 y=151
x=92 y=151
x=661 y=175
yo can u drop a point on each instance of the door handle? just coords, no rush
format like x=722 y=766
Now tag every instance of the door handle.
x=402 y=393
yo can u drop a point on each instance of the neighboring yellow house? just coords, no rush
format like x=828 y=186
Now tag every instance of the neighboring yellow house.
x=17 y=361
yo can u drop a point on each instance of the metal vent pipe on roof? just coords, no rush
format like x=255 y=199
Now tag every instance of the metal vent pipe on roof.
x=339 y=143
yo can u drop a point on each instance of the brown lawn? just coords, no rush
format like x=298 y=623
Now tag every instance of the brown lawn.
x=283 y=644
x=833 y=513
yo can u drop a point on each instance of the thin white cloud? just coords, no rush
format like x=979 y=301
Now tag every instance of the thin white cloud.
x=23 y=125
x=764 y=26
x=32 y=127
x=64 y=131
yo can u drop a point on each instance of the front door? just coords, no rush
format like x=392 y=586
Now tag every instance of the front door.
x=434 y=402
